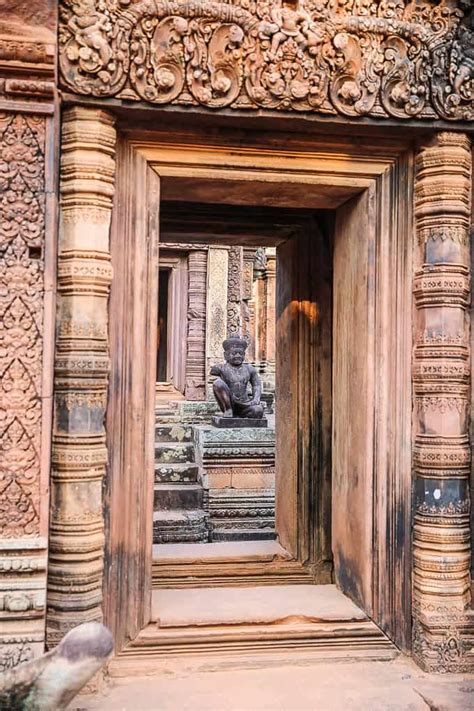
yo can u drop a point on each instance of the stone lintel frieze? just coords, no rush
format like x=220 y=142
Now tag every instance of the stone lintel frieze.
x=353 y=58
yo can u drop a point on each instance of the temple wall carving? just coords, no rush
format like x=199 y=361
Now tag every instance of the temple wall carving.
x=23 y=481
x=400 y=59
x=443 y=627
x=81 y=371
x=27 y=293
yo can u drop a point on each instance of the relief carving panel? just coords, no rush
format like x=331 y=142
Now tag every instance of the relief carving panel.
x=391 y=58
x=22 y=244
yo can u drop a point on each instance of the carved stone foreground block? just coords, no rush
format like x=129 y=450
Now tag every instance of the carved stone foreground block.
x=53 y=680
x=444 y=622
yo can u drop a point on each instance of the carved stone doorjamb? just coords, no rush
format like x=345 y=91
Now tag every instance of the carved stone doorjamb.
x=81 y=371
x=217 y=290
x=196 y=351
x=443 y=625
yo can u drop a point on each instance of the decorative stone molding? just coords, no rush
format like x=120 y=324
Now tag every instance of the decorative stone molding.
x=81 y=371
x=399 y=59
x=444 y=627
x=24 y=401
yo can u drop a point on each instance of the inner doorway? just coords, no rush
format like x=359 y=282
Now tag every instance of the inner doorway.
x=362 y=497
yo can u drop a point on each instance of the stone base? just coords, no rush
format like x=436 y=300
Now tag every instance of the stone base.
x=236 y=534
x=234 y=422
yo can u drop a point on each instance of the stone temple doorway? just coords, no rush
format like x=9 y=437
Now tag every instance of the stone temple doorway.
x=342 y=396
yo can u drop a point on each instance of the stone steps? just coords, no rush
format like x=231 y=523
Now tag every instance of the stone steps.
x=178 y=496
x=180 y=526
x=179 y=515
x=173 y=432
x=173 y=473
x=168 y=452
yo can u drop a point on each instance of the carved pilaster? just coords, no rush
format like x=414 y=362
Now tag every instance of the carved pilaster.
x=248 y=306
x=27 y=294
x=24 y=401
x=234 y=291
x=443 y=628
x=196 y=349
x=81 y=371
x=265 y=326
x=216 y=308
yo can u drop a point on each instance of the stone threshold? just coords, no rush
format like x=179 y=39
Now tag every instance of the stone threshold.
x=220 y=551
x=251 y=628
x=224 y=564
x=262 y=605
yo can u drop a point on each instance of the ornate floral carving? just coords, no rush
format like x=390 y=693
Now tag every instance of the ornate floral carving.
x=22 y=245
x=399 y=58
x=21 y=296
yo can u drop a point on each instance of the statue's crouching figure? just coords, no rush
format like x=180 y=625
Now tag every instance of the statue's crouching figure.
x=231 y=387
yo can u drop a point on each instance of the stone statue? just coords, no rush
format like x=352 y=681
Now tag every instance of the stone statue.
x=231 y=388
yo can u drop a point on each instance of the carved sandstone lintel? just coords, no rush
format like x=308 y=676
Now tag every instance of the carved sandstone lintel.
x=81 y=371
x=383 y=59
x=444 y=625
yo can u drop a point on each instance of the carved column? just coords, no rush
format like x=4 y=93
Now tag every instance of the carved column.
x=248 y=306
x=81 y=371
x=216 y=309
x=443 y=626
x=196 y=350
x=266 y=316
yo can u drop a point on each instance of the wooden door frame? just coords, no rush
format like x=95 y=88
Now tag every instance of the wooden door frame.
x=337 y=169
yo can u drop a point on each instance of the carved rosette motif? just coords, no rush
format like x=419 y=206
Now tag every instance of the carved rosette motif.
x=22 y=522
x=397 y=58
x=443 y=630
x=81 y=371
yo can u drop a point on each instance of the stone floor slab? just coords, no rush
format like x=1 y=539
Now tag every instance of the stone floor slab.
x=356 y=686
x=252 y=605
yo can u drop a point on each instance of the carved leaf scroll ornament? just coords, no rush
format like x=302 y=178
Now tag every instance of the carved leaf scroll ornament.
x=398 y=58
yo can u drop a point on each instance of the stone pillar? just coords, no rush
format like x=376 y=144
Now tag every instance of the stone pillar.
x=196 y=348
x=443 y=625
x=248 y=306
x=216 y=308
x=266 y=318
x=81 y=371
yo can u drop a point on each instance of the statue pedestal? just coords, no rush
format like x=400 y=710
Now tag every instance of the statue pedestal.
x=231 y=422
